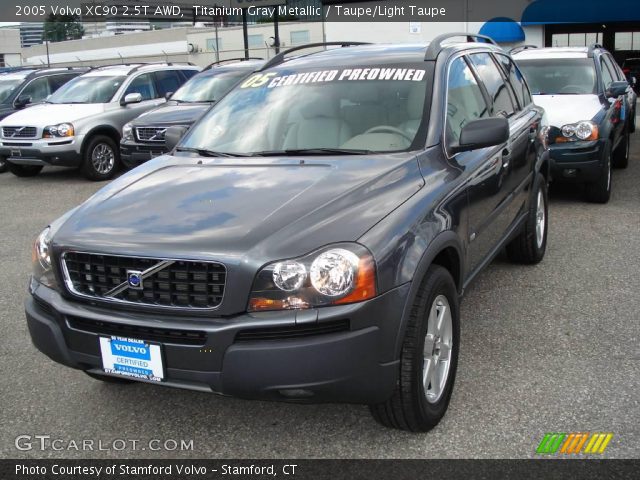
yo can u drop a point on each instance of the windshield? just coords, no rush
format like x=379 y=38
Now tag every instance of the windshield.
x=560 y=76
x=207 y=88
x=356 y=110
x=8 y=86
x=88 y=89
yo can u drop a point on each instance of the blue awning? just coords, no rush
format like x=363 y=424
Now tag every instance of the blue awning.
x=503 y=30
x=580 y=11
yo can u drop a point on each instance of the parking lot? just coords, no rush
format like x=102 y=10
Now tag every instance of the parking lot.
x=549 y=348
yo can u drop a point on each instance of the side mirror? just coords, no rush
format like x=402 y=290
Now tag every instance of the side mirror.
x=173 y=135
x=617 y=88
x=131 y=98
x=168 y=95
x=22 y=101
x=482 y=133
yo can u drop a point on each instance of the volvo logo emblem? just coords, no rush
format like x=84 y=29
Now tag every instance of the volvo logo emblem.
x=134 y=279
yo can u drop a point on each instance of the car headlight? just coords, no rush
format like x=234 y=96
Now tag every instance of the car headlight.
x=61 y=130
x=127 y=131
x=339 y=274
x=580 y=131
x=41 y=259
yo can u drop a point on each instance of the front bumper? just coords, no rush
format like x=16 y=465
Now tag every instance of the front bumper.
x=134 y=154
x=334 y=354
x=576 y=162
x=43 y=151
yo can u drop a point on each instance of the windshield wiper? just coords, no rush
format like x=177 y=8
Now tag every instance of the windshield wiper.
x=311 y=151
x=203 y=152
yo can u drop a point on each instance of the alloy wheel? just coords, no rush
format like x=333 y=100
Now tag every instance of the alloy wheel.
x=438 y=344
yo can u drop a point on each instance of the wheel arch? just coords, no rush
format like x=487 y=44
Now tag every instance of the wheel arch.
x=446 y=251
x=107 y=130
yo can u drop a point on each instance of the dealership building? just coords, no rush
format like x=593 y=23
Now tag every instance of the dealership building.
x=534 y=22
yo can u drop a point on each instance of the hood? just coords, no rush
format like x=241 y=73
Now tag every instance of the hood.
x=229 y=209
x=172 y=114
x=564 y=109
x=49 y=113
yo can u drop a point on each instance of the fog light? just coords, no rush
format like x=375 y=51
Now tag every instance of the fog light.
x=570 y=172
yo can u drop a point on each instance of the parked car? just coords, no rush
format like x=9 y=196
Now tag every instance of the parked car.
x=631 y=70
x=591 y=110
x=143 y=137
x=80 y=124
x=21 y=87
x=309 y=238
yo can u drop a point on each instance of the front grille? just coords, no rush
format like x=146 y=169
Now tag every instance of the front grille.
x=150 y=134
x=293 y=331
x=19 y=132
x=164 y=335
x=173 y=283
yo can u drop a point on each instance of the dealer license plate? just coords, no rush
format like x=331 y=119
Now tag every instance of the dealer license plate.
x=16 y=152
x=132 y=358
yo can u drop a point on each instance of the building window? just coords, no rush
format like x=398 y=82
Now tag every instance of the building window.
x=575 y=39
x=2 y=64
x=627 y=41
x=256 y=41
x=211 y=44
x=299 y=37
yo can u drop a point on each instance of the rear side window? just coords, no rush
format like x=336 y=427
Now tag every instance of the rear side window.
x=167 y=81
x=465 y=101
x=187 y=74
x=56 y=81
x=517 y=80
x=494 y=83
x=144 y=86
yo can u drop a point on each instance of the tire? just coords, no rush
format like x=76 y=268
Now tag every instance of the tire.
x=530 y=245
x=25 y=170
x=108 y=378
x=621 y=154
x=413 y=407
x=101 y=158
x=600 y=190
x=3 y=165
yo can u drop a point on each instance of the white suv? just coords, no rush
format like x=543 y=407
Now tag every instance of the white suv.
x=81 y=123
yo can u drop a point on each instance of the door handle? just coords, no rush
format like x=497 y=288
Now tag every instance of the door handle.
x=506 y=157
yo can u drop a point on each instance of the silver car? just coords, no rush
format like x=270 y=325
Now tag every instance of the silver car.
x=80 y=124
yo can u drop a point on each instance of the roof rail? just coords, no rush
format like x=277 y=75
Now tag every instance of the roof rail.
x=436 y=45
x=522 y=48
x=592 y=47
x=96 y=67
x=280 y=58
x=169 y=64
x=238 y=59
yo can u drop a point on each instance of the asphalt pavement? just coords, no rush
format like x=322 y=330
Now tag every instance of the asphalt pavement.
x=549 y=348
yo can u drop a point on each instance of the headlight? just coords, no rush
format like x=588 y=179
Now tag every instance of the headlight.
x=61 y=130
x=41 y=257
x=340 y=274
x=127 y=131
x=573 y=132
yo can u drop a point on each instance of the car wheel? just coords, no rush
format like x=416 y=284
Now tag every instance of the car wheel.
x=428 y=359
x=3 y=165
x=600 y=190
x=621 y=154
x=108 y=378
x=25 y=170
x=101 y=158
x=530 y=245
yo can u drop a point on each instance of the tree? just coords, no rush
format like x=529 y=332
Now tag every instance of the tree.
x=58 y=28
